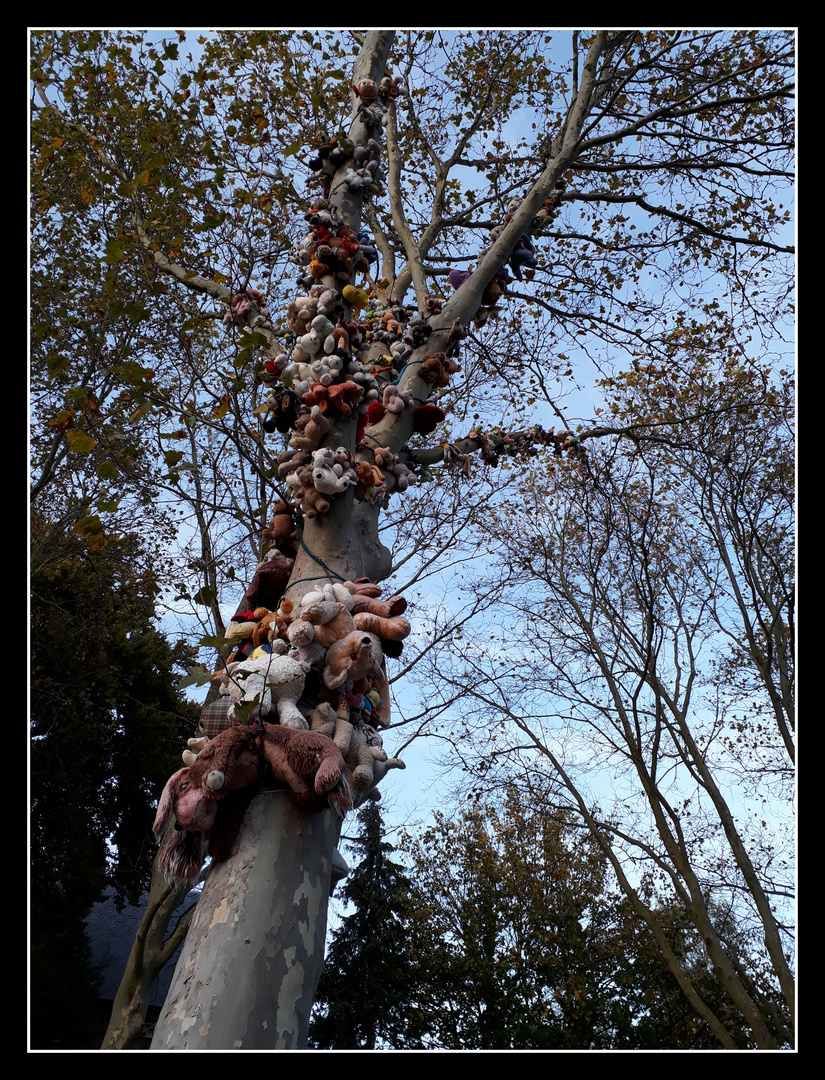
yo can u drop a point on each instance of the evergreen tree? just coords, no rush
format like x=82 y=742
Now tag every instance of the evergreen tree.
x=366 y=994
x=106 y=725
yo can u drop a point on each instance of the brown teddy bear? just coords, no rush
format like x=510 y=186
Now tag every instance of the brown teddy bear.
x=437 y=369
x=310 y=429
x=281 y=528
x=359 y=656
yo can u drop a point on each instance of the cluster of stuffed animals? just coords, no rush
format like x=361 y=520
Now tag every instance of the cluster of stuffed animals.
x=330 y=370
x=302 y=698
x=495 y=443
x=303 y=694
x=522 y=260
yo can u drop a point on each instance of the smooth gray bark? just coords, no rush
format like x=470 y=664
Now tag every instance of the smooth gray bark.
x=250 y=966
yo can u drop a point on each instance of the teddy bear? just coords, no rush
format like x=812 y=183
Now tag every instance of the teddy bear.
x=366 y=762
x=331 y=619
x=334 y=254
x=340 y=335
x=325 y=370
x=436 y=370
x=390 y=88
x=371 y=479
x=297 y=373
x=310 y=765
x=389 y=628
x=358 y=373
x=402 y=473
x=344 y=395
x=270 y=580
x=457 y=277
x=270 y=683
x=366 y=597
x=310 y=429
x=319 y=213
x=427 y=417
x=240 y=307
x=300 y=635
x=317 y=394
x=300 y=313
x=265 y=635
x=242 y=624
x=313 y=502
x=357 y=179
x=333 y=467
x=358 y=756
x=281 y=528
x=367 y=246
x=309 y=344
x=326 y=480
x=381 y=762
x=290 y=460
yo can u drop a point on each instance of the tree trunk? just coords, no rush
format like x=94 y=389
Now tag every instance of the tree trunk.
x=149 y=955
x=255 y=947
x=254 y=953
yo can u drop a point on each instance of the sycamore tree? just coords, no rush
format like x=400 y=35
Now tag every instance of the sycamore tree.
x=509 y=211
x=643 y=663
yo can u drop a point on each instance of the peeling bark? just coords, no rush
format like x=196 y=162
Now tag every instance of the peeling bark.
x=247 y=977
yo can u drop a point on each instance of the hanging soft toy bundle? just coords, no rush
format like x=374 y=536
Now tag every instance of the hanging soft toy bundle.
x=304 y=691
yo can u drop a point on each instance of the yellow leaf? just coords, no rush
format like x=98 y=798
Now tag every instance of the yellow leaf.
x=79 y=441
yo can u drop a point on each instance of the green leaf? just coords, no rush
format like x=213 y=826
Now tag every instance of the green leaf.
x=56 y=365
x=92 y=529
x=198 y=676
x=79 y=441
x=212 y=642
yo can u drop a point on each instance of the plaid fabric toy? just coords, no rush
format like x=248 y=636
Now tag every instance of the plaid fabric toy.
x=215 y=717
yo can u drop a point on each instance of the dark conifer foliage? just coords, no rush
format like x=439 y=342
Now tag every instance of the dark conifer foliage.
x=366 y=997
x=106 y=724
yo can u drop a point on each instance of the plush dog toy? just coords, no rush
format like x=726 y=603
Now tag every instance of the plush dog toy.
x=356 y=657
x=309 y=764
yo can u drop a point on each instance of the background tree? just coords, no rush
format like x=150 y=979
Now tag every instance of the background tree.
x=165 y=184
x=660 y=661
x=522 y=941
x=366 y=997
x=106 y=723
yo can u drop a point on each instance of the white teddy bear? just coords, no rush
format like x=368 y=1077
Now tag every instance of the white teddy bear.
x=276 y=681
